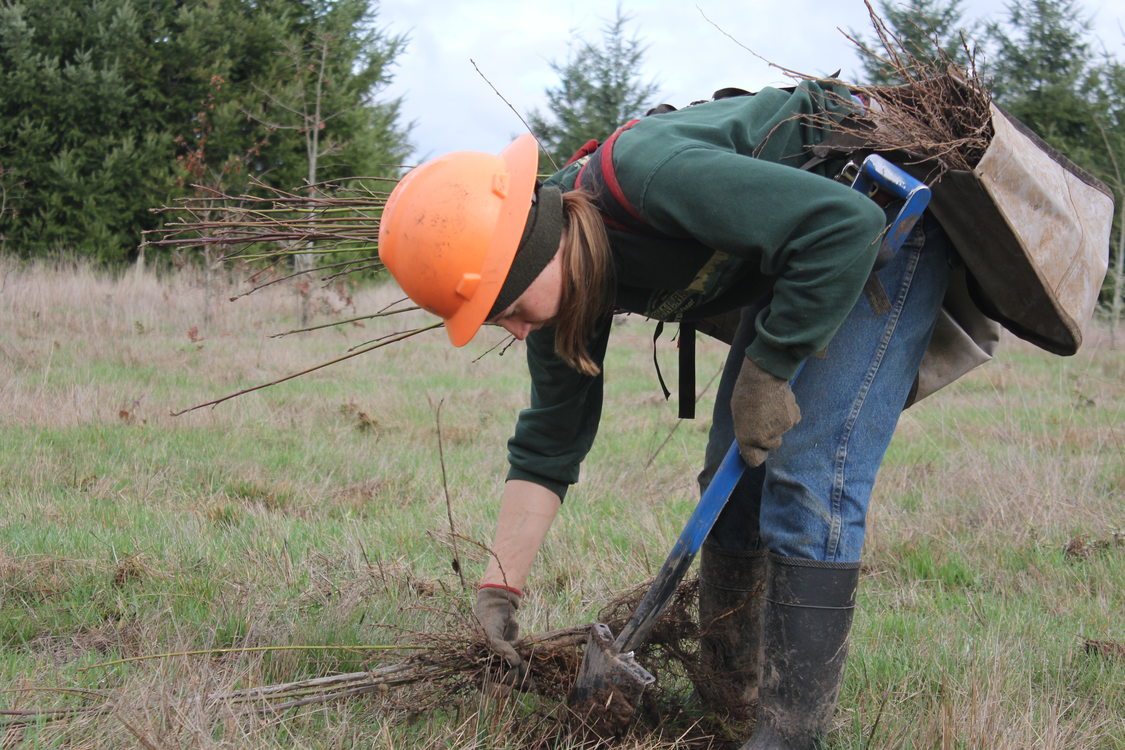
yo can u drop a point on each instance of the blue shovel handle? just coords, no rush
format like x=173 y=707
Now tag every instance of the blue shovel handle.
x=706 y=512
x=876 y=173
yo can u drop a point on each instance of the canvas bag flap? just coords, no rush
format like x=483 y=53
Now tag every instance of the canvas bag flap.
x=1033 y=230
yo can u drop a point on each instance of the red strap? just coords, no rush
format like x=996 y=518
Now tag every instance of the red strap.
x=588 y=147
x=514 y=590
x=604 y=154
x=610 y=176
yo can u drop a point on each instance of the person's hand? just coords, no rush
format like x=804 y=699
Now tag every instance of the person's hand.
x=764 y=409
x=496 y=611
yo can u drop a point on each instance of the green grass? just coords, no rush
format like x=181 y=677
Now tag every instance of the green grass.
x=315 y=513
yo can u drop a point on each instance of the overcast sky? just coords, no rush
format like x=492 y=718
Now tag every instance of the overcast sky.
x=513 y=43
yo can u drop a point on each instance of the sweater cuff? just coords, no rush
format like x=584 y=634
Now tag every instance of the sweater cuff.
x=559 y=488
x=778 y=362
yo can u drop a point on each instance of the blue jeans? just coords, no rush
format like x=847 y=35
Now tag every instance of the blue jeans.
x=810 y=497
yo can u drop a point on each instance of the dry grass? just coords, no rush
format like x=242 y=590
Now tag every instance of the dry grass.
x=314 y=514
x=1026 y=449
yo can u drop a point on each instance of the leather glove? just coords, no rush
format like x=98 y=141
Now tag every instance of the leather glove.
x=764 y=409
x=496 y=612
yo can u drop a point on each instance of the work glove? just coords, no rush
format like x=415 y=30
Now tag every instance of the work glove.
x=764 y=409
x=496 y=611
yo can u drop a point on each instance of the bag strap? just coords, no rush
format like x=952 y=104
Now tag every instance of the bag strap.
x=597 y=177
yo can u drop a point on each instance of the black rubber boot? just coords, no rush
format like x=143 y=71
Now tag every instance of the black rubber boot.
x=808 y=614
x=731 y=592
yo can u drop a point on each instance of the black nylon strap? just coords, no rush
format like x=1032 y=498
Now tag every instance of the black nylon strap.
x=656 y=362
x=687 y=370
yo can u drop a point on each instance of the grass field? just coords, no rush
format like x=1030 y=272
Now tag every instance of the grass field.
x=301 y=526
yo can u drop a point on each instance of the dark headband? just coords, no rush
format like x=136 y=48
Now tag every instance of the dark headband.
x=539 y=243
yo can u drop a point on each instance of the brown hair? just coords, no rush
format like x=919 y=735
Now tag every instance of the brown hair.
x=587 y=280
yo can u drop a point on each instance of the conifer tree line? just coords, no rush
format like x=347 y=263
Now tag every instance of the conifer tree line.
x=109 y=108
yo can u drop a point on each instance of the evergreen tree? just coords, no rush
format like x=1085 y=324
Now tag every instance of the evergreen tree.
x=321 y=100
x=1108 y=163
x=599 y=91
x=931 y=31
x=68 y=140
x=111 y=107
x=1046 y=46
x=1043 y=72
x=1112 y=126
x=323 y=107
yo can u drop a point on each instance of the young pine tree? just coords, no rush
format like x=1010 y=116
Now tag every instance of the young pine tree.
x=599 y=91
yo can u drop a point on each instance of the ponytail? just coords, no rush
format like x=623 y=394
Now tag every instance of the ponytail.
x=588 y=280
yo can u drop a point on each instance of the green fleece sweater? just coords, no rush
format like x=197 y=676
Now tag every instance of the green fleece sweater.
x=732 y=219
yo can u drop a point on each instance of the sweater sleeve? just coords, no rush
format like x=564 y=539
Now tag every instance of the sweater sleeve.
x=815 y=237
x=553 y=435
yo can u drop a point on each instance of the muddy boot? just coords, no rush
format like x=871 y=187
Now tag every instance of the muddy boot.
x=808 y=614
x=731 y=588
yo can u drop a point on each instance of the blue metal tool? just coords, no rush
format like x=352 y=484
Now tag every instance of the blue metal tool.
x=877 y=174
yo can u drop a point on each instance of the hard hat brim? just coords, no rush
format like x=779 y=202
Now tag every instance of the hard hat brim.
x=521 y=157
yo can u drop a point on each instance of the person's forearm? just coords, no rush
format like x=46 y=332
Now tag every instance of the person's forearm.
x=526 y=512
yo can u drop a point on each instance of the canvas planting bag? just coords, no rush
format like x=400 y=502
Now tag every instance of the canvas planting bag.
x=1033 y=230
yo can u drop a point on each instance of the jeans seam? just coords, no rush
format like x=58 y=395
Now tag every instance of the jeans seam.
x=838 y=477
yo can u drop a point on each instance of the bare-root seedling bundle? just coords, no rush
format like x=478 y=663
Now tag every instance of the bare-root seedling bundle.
x=452 y=670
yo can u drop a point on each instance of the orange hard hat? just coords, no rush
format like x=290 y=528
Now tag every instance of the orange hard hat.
x=451 y=228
